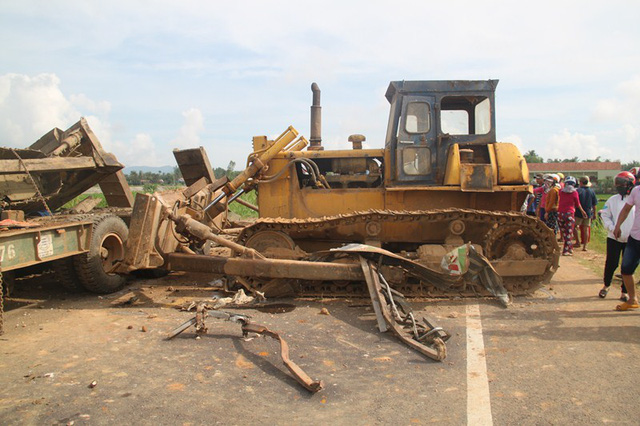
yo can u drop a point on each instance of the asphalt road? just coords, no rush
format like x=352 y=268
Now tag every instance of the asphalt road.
x=562 y=356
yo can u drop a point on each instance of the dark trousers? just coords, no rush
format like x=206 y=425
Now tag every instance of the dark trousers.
x=614 y=251
x=552 y=221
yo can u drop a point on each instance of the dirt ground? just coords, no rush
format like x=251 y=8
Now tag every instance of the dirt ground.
x=561 y=356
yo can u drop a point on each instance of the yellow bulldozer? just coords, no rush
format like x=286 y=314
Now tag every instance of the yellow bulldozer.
x=440 y=182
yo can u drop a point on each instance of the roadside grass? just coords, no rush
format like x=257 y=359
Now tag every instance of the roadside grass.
x=245 y=212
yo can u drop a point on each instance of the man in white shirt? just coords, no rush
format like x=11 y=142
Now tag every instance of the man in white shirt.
x=615 y=246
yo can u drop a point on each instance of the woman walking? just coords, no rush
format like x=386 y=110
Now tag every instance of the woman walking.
x=551 y=202
x=567 y=204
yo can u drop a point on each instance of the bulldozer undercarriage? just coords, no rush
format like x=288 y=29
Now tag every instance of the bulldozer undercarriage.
x=523 y=250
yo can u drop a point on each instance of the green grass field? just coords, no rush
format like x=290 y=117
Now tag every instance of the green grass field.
x=71 y=204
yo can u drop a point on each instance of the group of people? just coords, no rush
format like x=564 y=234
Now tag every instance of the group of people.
x=561 y=204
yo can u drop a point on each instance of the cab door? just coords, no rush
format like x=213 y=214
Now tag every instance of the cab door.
x=416 y=141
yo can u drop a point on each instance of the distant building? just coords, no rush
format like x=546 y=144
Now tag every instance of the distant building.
x=596 y=170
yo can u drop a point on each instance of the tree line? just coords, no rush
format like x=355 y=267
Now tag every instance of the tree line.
x=174 y=178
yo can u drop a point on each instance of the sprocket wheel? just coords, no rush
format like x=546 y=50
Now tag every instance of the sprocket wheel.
x=263 y=241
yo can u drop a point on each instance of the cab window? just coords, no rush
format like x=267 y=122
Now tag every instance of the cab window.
x=465 y=115
x=418 y=118
x=416 y=160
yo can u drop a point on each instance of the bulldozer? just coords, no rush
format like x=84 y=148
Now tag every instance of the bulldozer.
x=441 y=181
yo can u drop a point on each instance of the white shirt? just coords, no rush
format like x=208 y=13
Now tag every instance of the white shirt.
x=610 y=213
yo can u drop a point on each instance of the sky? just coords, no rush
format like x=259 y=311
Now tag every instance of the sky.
x=151 y=76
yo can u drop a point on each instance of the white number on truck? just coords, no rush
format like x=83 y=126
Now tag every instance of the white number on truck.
x=9 y=250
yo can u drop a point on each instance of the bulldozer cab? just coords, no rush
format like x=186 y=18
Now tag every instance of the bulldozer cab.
x=427 y=118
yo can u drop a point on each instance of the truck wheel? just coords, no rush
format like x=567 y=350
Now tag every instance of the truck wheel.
x=106 y=248
x=65 y=273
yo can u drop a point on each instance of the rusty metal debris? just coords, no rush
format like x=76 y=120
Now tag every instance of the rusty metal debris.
x=203 y=312
x=394 y=313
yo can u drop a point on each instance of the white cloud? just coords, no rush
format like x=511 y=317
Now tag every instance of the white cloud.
x=30 y=107
x=141 y=151
x=621 y=115
x=624 y=107
x=97 y=107
x=189 y=134
x=568 y=145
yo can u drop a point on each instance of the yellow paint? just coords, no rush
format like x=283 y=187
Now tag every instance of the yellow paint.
x=452 y=174
x=340 y=153
x=512 y=167
x=492 y=156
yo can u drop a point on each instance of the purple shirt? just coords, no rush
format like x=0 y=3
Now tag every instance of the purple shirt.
x=634 y=200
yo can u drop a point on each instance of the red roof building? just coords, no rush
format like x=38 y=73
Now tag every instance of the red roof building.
x=594 y=169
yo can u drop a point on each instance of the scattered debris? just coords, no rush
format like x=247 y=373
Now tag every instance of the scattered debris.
x=247 y=327
x=240 y=298
x=143 y=329
x=93 y=384
x=324 y=311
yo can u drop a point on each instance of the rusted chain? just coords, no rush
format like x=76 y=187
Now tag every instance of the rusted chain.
x=33 y=182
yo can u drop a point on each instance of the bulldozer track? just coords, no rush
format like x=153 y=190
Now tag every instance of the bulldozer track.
x=498 y=229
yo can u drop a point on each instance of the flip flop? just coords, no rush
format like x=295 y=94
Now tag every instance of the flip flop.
x=603 y=292
x=625 y=306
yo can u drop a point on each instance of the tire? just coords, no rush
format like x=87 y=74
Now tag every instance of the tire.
x=65 y=273
x=107 y=247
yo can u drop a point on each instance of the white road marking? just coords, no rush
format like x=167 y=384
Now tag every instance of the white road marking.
x=478 y=397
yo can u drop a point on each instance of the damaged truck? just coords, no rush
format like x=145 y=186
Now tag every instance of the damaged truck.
x=81 y=245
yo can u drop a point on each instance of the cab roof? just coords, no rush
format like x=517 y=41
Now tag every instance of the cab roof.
x=440 y=86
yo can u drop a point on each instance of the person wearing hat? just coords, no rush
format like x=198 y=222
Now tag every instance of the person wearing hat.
x=533 y=200
x=551 y=202
x=588 y=201
x=541 y=195
x=568 y=203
